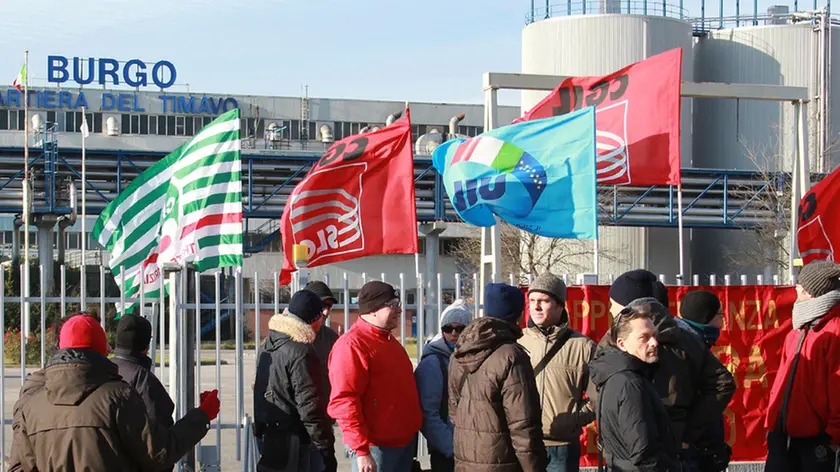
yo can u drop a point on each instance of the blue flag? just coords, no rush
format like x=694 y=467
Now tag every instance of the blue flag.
x=536 y=175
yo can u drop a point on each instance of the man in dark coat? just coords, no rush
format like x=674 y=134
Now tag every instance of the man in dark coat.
x=635 y=431
x=493 y=398
x=134 y=334
x=694 y=385
x=290 y=410
x=700 y=314
x=325 y=337
x=78 y=414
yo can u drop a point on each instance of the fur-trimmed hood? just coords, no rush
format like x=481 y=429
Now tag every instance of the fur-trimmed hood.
x=293 y=327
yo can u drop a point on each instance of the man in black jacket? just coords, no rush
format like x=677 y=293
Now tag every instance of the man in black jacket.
x=134 y=334
x=325 y=337
x=694 y=385
x=635 y=430
x=290 y=412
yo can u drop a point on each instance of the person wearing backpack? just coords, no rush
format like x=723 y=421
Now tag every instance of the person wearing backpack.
x=431 y=375
x=560 y=357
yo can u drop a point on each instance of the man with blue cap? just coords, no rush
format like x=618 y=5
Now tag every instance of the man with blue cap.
x=493 y=399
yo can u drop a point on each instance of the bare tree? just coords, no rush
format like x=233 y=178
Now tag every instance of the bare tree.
x=526 y=253
x=767 y=203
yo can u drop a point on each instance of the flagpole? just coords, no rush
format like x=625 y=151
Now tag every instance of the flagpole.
x=596 y=257
x=25 y=194
x=681 y=276
x=82 y=279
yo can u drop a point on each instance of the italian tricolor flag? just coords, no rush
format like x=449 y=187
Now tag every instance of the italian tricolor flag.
x=20 y=79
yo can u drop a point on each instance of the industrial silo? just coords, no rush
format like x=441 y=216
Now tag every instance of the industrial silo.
x=583 y=44
x=790 y=50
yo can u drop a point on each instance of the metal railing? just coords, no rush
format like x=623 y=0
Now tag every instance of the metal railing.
x=595 y=7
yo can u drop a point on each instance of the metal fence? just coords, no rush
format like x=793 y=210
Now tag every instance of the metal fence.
x=177 y=323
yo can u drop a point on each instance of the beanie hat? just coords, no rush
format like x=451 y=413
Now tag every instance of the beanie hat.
x=320 y=288
x=550 y=284
x=820 y=277
x=660 y=293
x=633 y=285
x=306 y=305
x=133 y=333
x=82 y=331
x=458 y=312
x=374 y=295
x=504 y=302
x=699 y=306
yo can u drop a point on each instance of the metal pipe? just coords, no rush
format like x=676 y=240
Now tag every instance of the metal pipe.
x=346 y=302
x=453 y=124
x=217 y=280
x=240 y=375
x=402 y=303
x=393 y=117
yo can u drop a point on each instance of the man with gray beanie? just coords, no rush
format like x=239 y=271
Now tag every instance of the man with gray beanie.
x=803 y=417
x=432 y=374
x=694 y=385
x=560 y=357
x=493 y=399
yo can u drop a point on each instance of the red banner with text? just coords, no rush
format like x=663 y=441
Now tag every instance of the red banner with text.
x=755 y=321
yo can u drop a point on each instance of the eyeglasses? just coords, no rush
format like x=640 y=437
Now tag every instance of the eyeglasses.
x=394 y=305
x=448 y=329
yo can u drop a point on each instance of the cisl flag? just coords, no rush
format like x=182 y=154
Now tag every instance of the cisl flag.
x=637 y=119
x=819 y=227
x=356 y=201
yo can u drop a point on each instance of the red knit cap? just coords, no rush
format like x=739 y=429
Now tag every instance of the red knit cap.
x=83 y=332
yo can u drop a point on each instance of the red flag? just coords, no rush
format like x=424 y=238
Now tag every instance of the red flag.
x=817 y=236
x=637 y=118
x=356 y=201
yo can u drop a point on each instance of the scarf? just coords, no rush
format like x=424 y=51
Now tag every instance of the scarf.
x=709 y=333
x=807 y=312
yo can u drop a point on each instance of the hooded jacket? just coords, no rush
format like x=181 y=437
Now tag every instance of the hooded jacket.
x=561 y=385
x=77 y=414
x=432 y=387
x=694 y=385
x=288 y=391
x=635 y=431
x=493 y=401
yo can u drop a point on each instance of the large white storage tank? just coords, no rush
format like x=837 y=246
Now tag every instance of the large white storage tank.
x=599 y=44
x=752 y=135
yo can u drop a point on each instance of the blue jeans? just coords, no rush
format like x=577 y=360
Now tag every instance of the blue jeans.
x=563 y=458
x=389 y=459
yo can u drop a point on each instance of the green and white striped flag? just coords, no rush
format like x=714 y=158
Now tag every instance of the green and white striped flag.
x=185 y=208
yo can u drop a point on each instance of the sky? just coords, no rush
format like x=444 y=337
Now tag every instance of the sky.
x=430 y=50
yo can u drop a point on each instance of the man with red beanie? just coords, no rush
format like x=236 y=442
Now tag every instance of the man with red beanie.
x=803 y=418
x=78 y=414
x=374 y=395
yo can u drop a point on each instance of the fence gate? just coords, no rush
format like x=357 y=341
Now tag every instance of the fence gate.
x=191 y=328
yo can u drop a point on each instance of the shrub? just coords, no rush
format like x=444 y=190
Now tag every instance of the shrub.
x=11 y=345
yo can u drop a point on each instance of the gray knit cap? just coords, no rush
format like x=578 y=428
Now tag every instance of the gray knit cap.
x=820 y=277
x=550 y=284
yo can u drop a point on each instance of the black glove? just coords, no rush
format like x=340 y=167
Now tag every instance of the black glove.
x=330 y=462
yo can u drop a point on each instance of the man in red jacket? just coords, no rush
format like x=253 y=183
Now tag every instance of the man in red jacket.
x=374 y=396
x=804 y=413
